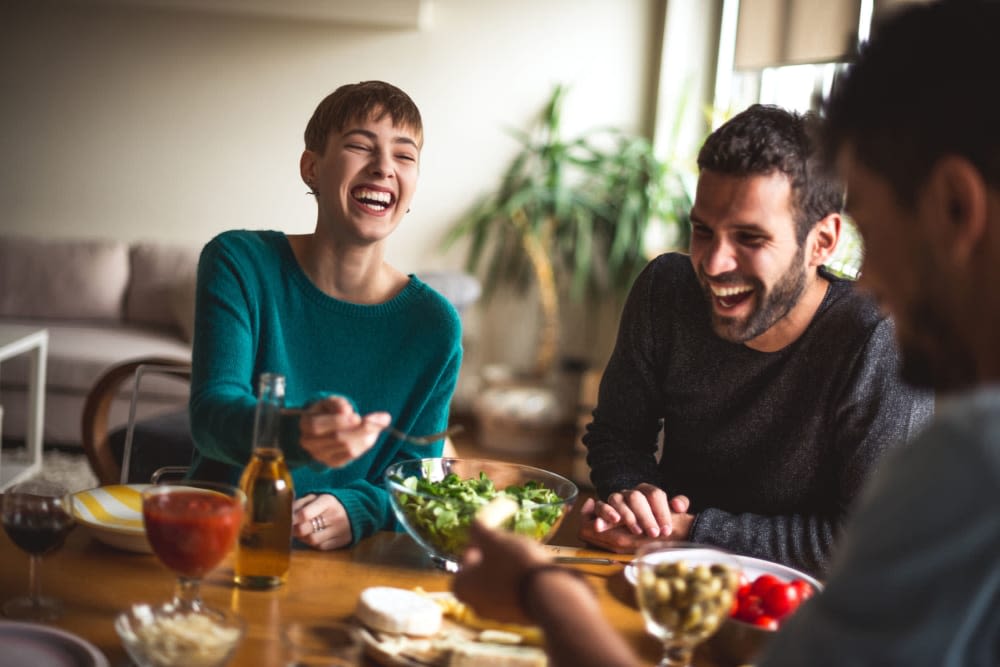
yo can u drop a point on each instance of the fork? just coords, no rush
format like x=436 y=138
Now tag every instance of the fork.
x=428 y=439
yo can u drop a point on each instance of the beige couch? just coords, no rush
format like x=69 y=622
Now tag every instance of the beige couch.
x=103 y=302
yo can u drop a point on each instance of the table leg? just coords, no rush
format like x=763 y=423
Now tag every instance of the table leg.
x=36 y=403
x=36 y=346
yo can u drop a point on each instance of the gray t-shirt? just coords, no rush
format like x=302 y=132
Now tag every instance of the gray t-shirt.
x=916 y=581
x=772 y=448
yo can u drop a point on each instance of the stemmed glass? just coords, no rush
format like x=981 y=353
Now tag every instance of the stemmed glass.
x=685 y=592
x=192 y=526
x=37 y=517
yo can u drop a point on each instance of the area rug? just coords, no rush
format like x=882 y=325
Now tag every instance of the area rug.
x=70 y=470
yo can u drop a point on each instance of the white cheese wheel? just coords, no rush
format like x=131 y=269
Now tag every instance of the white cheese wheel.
x=398 y=610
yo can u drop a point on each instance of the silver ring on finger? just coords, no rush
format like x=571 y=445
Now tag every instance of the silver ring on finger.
x=318 y=523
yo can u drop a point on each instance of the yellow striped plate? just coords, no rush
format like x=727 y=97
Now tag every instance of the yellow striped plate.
x=113 y=515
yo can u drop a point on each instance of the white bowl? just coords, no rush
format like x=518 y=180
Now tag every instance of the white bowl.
x=113 y=515
x=742 y=642
x=738 y=642
x=752 y=568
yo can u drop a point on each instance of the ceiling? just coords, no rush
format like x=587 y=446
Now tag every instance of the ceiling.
x=395 y=14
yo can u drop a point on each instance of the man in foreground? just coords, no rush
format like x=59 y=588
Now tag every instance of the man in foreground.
x=916 y=580
x=776 y=382
x=914 y=133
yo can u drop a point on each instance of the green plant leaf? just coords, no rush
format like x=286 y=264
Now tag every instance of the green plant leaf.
x=586 y=200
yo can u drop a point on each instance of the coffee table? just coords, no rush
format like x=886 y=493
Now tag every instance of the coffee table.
x=17 y=339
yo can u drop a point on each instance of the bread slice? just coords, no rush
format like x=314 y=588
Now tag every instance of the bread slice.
x=471 y=654
x=462 y=614
x=494 y=513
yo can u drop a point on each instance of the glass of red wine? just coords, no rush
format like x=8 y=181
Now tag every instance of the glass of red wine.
x=37 y=516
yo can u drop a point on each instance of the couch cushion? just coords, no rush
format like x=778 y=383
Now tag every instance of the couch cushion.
x=79 y=354
x=158 y=272
x=62 y=278
x=63 y=413
x=182 y=302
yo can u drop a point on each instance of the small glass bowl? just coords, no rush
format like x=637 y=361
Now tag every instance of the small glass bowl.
x=164 y=636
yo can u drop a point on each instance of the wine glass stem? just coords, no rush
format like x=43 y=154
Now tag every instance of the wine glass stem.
x=187 y=595
x=34 y=587
x=676 y=656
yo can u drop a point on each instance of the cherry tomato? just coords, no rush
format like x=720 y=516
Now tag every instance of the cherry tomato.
x=764 y=582
x=805 y=589
x=781 y=600
x=749 y=608
x=767 y=600
x=739 y=600
x=766 y=622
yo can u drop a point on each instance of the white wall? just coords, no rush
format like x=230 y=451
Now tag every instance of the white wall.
x=139 y=123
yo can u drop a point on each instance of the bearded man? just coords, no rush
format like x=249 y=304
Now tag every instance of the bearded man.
x=772 y=383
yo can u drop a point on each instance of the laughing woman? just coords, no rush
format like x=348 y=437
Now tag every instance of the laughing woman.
x=359 y=342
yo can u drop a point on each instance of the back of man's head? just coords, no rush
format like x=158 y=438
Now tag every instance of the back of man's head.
x=924 y=87
x=766 y=139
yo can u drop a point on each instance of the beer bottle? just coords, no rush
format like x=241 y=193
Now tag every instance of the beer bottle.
x=265 y=547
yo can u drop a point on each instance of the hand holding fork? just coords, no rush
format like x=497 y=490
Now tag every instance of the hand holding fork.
x=428 y=439
x=334 y=434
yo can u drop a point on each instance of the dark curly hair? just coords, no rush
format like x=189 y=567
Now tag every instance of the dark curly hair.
x=765 y=139
x=921 y=89
x=356 y=101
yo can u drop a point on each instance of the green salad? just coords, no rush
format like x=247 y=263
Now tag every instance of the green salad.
x=443 y=518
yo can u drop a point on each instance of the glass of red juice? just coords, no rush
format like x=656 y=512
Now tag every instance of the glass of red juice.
x=37 y=518
x=192 y=526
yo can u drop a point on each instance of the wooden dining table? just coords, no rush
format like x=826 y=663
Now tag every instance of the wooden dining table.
x=96 y=582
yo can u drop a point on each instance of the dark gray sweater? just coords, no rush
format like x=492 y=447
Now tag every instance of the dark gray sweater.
x=771 y=448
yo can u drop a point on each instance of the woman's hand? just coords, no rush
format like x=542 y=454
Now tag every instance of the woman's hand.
x=321 y=522
x=334 y=434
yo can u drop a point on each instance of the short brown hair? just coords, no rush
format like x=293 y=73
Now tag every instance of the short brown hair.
x=356 y=101
x=766 y=139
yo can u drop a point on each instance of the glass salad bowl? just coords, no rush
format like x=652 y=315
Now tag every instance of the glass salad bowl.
x=435 y=499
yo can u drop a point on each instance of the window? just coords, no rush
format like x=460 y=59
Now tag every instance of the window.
x=785 y=52
x=772 y=74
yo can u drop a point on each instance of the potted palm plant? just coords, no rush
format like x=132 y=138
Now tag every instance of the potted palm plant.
x=571 y=216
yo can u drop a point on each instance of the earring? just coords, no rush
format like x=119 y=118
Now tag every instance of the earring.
x=407 y=210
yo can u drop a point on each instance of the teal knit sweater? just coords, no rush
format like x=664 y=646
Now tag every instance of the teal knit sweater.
x=257 y=311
